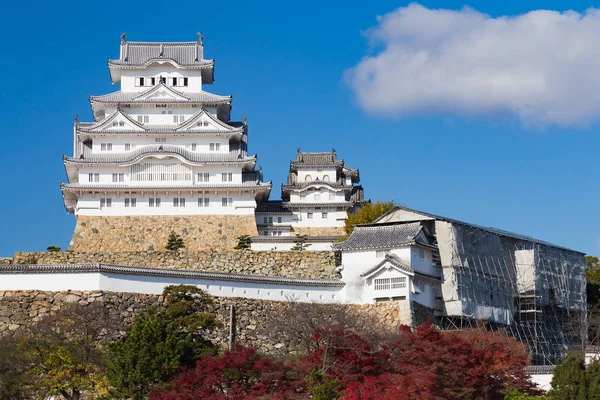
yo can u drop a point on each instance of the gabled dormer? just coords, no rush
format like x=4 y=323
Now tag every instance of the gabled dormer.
x=204 y=121
x=117 y=121
x=161 y=92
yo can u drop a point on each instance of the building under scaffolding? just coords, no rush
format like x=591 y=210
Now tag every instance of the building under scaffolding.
x=533 y=290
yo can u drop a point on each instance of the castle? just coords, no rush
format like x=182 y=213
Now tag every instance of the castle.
x=163 y=155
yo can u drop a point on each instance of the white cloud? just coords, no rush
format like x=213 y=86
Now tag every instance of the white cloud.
x=542 y=66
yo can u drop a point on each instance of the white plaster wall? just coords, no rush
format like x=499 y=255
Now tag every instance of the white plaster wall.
x=90 y=205
x=165 y=70
x=276 y=246
x=317 y=194
x=215 y=177
x=427 y=296
x=424 y=264
x=316 y=173
x=286 y=219
x=118 y=143
x=542 y=381
x=155 y=113
x=334 y=218
x=155 y=285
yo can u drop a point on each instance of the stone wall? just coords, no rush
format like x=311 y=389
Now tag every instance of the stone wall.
x=4 y=261
x=297 y=264
x=143 y=233
x=20 y=308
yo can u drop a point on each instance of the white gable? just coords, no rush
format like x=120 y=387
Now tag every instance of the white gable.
x=118 y=121
x=161 y=92
x=204 y=121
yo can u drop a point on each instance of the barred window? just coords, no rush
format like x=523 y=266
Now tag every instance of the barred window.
x=390 y=283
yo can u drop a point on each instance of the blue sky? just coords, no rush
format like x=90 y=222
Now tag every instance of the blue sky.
x=523 y=160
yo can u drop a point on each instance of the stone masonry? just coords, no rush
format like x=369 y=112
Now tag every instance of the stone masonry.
x=293 y=264
x=147 y=233
x=20 y=308
x=316 y=231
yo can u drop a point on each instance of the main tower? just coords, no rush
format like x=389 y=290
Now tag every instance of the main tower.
x=161 y=155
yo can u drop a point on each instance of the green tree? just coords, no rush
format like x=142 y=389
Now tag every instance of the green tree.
x=161 y=343
x=592 y=377
x=53 y=249
x=175 y=242
x=367 y=214
x=569 y=380
x=516 y=395
x=300 y=243
x=244 y=242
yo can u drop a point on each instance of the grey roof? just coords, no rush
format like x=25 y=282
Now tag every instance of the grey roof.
x=162 y=272
x=134 y=97
x=138 y=54
x=271 y=227
x=158 y=149
x=290 y=204
x=540 y=369
x=493 y=230
x=381 y=237
x=392 y=259
x=334 y=185
x=317 y=159
x=162 y=187
x=292 y=239
x=272 y=207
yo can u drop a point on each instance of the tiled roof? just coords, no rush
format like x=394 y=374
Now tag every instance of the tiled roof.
x=191 y=98
x=158 y=149
x=303 y=185
x=392 y=259
x=199 y=187
x=138 y=54
x=381 y=237
x=326 y=159
x=540 y=369
x=274 y=227
x=161 y=272
x=272 y=207
x=290 y=204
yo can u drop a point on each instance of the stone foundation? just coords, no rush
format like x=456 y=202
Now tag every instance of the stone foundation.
x=143 y=233
x=293 y=264
x=20 y=308
x=313 y=231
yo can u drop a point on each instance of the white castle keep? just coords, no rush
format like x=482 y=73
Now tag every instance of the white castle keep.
x=162 y=147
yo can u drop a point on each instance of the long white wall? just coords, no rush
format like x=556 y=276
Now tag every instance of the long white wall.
x=128 y=81
x=202 y=143
x=92 y=281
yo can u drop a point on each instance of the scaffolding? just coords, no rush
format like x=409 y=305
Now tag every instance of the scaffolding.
x=495 y=280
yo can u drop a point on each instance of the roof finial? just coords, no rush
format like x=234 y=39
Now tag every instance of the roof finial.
x=200 y=38
x=244 y=119
x=333 y=149
x=76 y=118
x=298 y=151
x=123 y=37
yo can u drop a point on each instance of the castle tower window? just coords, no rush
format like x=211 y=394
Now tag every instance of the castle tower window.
x=326 y=178
x=309 y=215
x=226 y=202
x=203 y=202
x=226 y=177
x=308 y=178
x=265 y=220
x=178 y=202
x=185 y=81
x=173 y=81
x=94 y=177
x=118 y=177
x=127 y=146
x=154 y=202
x=105 y=202
x=324 y=215
x=130 y=202
x=153 y=81
x=279 y=220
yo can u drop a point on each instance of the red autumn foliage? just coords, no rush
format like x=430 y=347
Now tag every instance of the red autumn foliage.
x=237 y=375
x=425 y=364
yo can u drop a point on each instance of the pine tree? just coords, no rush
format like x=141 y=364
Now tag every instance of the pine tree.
x=300 y=243
x=592 y=376
x=175 y=242
x=244 y=242
x=569 y=380
x=159 y=344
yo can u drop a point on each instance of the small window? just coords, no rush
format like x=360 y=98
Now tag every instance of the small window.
x=153 y=81
x=324 y=215
x=154 y=202
x=203 y=177
x=140 y=118
x=309 y=215
x=194 y=146
x=227 y=177
x=127 y=146
x=146 y=118
x=265 y=220
x=175 y=118
x=308 y=178
x=421 y=254
x=174 y=81
x=160 y=140
x=326 y=178
x=265 y=233
x=105 y=146
x=141 y=81
x=226 y=202
x=130 y=202
x=94 y=177
x=211 y=147
x=105 y=202
x=179 y=202
x=270 y=220
x=185 y=81
x=121 y=123
x=278 y=220
x=203 y=202
x=118 y=177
